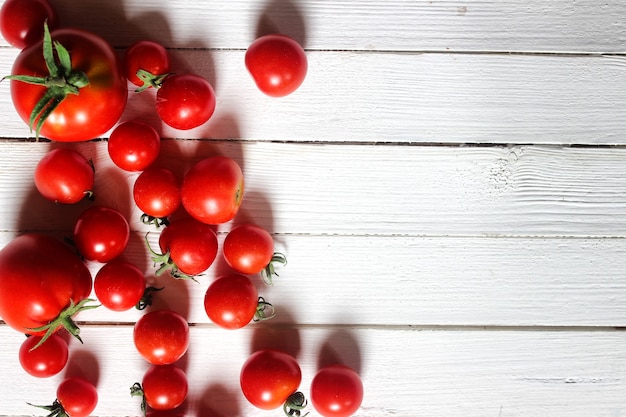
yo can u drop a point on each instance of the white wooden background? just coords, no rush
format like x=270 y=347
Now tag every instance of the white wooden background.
x=448 y=184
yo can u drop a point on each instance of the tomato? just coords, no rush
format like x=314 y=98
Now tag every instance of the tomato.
x=41 y=283
x=93 y=96
x=336 y=391
x=161 y=336
x=212 y=190
x=277 y=64
x=269 y=378
x=134 y=145
x=156 y=193
x=185 y=101
x=232 y=301
x=188 y=248
x=163 y=387
x=21 y=21
x=77 y=397
x=101 y=234
x=249 y=249
x=64 y=176
x=119 y=285
x=48 y=359
x=148 y=56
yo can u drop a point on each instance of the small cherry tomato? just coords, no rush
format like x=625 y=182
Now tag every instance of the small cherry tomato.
x=64 y=176
x=148 y=56
x=101 y=234
x=46 y=360
x=134 y=145
x=336 y=391
x=185 y=101
x=21 y=21
x=163 y=387
x=156 y=193
x=277 y=63
x=119 y=285
x=77 y=397
x=161 y=336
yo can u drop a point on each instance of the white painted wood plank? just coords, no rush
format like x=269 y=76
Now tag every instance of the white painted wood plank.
x=405 y=372
x=535 y=25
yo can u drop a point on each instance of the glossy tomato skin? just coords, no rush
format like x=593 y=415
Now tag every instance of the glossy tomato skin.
x=119 y=285
x=134 y=145
x=277 y=64
x=161 y=336
x=64 y=176
x=77 y=396
x=165 y=387
x=146 y=55
x=212 y=190
x=46 y=360
x=268 y=377
x=248 y=248
x=336 y=391
x=96 y=108
x=21 y=21
x=231 y=301
x=101 y=233
x=39 y=275
x=192 y=245
x=185 y=101
x=156 y=192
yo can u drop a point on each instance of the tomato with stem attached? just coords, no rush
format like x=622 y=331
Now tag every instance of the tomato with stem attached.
x=163 y=387
x=76 y=397
x=156 y=193
x=161 y=336
x=146 y=62
x=119 y=285
x=64 y=176
x=48 y=359
x=134 y=145
x=185 y=101
x=21 y=21
x=336 y=391
x=101 y=233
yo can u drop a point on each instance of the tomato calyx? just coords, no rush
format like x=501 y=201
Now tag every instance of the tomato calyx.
x=269 y=271
x=65 y=320
x=294 y=405
x=150 y=80
x=56 y=409
x=146 y=299
x=264 y=311
x=136 y=390
x=165 y=263
x=158 y=222
x=60 y=82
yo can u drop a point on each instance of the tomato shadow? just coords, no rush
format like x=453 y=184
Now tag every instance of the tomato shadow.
x=83 y=363
x=218 y=401
x=174 y=295
x=283 y=16
x=279 y=333
x=341 y=347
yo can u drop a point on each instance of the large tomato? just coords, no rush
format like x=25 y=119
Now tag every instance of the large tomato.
x=87 y=112
x=40 y=280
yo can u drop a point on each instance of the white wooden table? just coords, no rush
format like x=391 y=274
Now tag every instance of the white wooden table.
x=448 y=184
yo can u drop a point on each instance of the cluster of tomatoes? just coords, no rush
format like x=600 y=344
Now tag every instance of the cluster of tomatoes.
x=69 y=85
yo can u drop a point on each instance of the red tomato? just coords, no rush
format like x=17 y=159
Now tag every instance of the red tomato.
x=21 y=21
x=95 y=108
x=101 y=234
x=134 y=145
x=212 y=190
x=46 y=360
x=77 y=397
x=64 y=176
x=269 y=377
x=40 y=278
x=161 y=336
x=231 y=301
x=185 y=101
x=164 y=387
x=188 y=248
x=119 y=285
x=277 y=64
x=147 y=56
x=157 y=193
x=336 y=391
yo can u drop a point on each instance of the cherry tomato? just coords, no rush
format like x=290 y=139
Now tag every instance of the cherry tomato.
x=231 y=301
x=46 y=360
x=134 y=145
x=157 y=193
x=148 y=56
x=21 y=21
x=269 y=377
x=164 y=387
x=119 y=285
x=40 y=277
x=188 y=248
x=185 y=101
x=64 y=176
x=161 y=336
x=77 y=397
x=336 y=391
x=212 y=190
x=101 y=233
x=277 y=63
x=86 y=110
